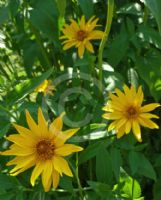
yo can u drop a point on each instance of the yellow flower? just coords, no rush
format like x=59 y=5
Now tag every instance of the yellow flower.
x=80 y=35
x=43 y=147
x=46 y=87
x=128 y=113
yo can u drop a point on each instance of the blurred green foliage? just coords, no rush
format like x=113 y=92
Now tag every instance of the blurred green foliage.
x=30 y=52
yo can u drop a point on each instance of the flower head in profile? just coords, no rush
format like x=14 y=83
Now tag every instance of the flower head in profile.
x=46 y=87
x=79 y=35
x=42 y=147
x=126 y=109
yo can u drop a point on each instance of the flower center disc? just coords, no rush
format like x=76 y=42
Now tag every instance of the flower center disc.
x=81 y=35
x=131 y=112
x=45 y=149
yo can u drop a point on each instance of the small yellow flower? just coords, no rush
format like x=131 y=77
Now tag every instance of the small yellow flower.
x=80 y=35
x=128 y=113
x=46 y=87
x=43 y=147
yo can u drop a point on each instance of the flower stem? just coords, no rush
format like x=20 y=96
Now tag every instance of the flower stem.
x=145 y=16
x=76 y=173
x=104 y=39
x=133 y=183
x=41 y=195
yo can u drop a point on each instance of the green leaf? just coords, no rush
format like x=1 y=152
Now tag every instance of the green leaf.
x=20 y=195
x=30 y=52
x=130 y=8
x=61 y=4
x=134 y=161
x=87 y=7
x=139 y=164
x=4 y=122
x=66 y=183
x=23 y=89
x=158 y=161
x=101 y=189
x=7 y=182
x=116 y=162
x=155 y=7
x=92 y=150
x=118 y=48
x=13 y=6
x=7 y=196
x=149 y=35
x=149 y=68
x=44 y=18
x=103 y=166
x=130 y=187
x=4 y=14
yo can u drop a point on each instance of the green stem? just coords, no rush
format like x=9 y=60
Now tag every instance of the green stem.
x=41 y=195
x=104 y=39
x=76 y=173
x=133 y=183
x=146 y=13
x=75 y=190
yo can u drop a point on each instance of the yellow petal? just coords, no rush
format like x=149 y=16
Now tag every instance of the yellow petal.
x=139 y=96
x=61 y=165
x=23 y=169
x=95 y=35
x=129 y=94
x=36 y=172
x=67 y=149
x=91 y=24
x=148 y=115
x=128 y=126
x=89 y=46
x=120 y=94
x=43 y=126
x=18 y=151
x=69 y=31
x=121 y=132
x=56 y=177
x=42 y=86
x=69 y=44
x=149 y=107
x=32 y=125
x=21 y=141
x=25 y=161
x=81 y=50
x=148 y=123
x=120 y=123
x=63 y=136
x=24 y=131
x=47 y=175
x=112 y=125
x=136 y=130
x=117 y=102
x=56 y=126
x=82 y=23
x=16 y=160
x=112 y=116
x=74 y=25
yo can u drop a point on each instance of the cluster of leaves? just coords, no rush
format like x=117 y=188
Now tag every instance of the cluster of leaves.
x=30 y=52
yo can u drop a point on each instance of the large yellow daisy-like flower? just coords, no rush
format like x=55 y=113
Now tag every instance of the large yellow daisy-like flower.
x=80 y=35
x=43 y=147
x=128 y=113
x=46 y=87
